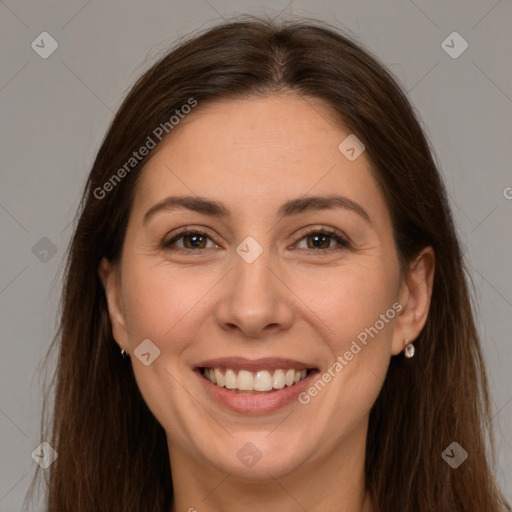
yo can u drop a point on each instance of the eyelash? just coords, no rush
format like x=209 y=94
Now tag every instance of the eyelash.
x=343 y=242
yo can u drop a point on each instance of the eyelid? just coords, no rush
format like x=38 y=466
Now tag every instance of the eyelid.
x=341 y=238
x=324 y=229
x=185 y=230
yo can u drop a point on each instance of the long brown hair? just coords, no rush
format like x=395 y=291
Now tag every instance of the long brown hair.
x=112 y=452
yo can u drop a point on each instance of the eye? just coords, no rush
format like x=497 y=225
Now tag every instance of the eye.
x=323 y=241
x=190 y=240
x=318 y=240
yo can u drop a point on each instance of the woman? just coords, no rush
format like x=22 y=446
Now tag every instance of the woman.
x=265 y=237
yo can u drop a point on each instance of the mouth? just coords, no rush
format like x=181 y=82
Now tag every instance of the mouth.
x=254 y=387
x=254 y=382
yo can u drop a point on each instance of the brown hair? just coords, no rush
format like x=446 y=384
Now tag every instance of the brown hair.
x=112 y=452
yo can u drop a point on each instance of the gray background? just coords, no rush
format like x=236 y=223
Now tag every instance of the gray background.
x=55 y=112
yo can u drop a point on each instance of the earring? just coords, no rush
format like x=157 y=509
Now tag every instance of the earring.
x=409 y=349
x=123 y=353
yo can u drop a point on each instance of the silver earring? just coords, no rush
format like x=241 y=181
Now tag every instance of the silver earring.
x=409 y=349
x=123 y=353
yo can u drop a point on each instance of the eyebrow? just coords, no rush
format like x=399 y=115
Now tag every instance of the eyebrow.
x=288 y=209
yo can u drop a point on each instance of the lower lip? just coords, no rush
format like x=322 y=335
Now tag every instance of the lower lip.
x=255 y=404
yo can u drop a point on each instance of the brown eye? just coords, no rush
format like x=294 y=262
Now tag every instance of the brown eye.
x=191 y=240
x=322 y=241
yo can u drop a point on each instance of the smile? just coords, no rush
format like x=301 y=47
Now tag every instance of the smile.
x=249 y=382
x=254 y=386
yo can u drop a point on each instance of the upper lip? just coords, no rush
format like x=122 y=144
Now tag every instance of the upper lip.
x=265 y=363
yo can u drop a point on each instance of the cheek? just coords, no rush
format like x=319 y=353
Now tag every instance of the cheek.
x=356 y=305
x=160 y=300
x=349 y=299
x=162 y=305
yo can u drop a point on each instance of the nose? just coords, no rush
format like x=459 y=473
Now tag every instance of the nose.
x=255 y=300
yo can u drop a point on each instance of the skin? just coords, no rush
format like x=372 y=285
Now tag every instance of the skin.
x=195 y=304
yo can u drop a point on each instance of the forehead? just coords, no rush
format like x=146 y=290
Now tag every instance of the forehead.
x=258 y=152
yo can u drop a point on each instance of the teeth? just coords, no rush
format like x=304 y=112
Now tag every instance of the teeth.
x=262 y=380
x=245 y=380
x=278 y=379
x=218 y=378
x=230 y=380
x=289 y=378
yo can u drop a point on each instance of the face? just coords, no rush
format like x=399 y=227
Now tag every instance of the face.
x=276 y=255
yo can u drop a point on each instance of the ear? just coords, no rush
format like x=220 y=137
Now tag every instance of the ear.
x=414 y=296
x=110 y=276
